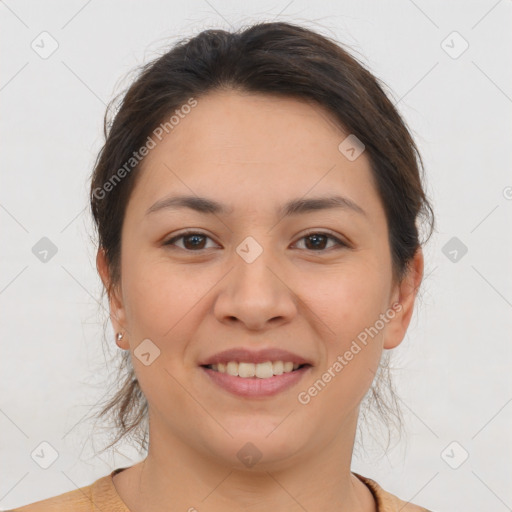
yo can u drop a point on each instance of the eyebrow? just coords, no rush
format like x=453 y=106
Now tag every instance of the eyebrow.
x=293 y=207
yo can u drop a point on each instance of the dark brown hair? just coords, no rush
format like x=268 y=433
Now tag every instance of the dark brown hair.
x=268 y=58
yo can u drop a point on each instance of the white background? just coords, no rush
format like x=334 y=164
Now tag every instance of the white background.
x=454 y=377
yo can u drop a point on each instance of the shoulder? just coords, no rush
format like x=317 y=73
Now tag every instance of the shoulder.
x=96 y=497
x=387 y=502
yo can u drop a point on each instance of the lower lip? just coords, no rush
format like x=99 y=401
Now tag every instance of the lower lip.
x=254 y=386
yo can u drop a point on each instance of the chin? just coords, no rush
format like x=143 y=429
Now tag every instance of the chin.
x=254 y=449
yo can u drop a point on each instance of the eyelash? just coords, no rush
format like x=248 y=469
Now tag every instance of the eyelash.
x=339 y=243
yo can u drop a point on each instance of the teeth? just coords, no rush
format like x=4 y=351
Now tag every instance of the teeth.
x=278 y=368
x=260 y=370
x=231 y=368
x=247 y=369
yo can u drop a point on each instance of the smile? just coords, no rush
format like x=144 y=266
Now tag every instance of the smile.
x=259 y=370
x=256 y=380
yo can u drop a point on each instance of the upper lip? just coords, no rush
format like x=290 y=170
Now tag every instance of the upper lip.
x=251 y=356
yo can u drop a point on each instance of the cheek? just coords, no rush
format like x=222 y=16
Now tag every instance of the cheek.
x=348 y=299
x=155 y=289
x=161 y=304
x=165 y=303
x=352 y=353
x=350 y=303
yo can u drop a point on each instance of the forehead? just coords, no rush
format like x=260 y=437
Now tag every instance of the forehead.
x=250 y=150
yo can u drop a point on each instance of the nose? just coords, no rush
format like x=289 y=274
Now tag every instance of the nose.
x=256 y=295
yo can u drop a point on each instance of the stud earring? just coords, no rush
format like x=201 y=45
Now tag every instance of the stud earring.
x=119 y=337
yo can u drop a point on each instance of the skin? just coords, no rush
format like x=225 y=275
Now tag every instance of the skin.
x=254 y=153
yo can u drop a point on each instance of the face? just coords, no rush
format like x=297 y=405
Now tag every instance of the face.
x=254 y=276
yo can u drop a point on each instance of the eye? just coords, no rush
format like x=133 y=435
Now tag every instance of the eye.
x=316 y=241
x=195 y=241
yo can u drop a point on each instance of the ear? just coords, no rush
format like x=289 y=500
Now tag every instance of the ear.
x=117 y=312
x=403 y=298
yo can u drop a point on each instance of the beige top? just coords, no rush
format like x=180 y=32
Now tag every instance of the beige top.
x=102 y=496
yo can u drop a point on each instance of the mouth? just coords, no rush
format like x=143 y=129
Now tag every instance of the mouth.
x=246 y=370
x=252 y=380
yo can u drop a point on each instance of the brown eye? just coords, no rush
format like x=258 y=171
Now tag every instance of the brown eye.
x=192 y=241
x=317 y=241
x=195 y=242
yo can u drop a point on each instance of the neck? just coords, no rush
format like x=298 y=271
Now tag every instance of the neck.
x=175 y=474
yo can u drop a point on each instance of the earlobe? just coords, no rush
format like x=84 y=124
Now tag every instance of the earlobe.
x=117 y=315
x=405 y=295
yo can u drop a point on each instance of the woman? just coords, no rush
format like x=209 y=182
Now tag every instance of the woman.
x=256 y=201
